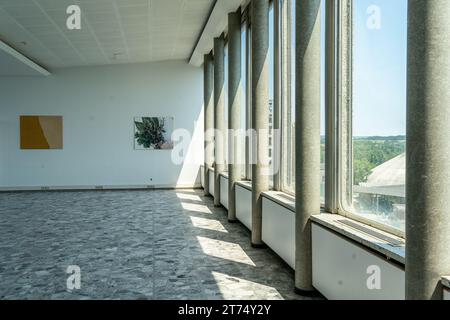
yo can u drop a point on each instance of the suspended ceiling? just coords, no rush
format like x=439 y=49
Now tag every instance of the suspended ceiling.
x=112 y=31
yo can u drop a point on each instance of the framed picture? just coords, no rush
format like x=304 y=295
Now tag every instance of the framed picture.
x=41 y=132
x=153 y=133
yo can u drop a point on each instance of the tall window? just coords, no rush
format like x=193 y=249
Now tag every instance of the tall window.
x=225 y=135
x=322 y=103
x=248 y=80
x=270 y=103
x=287 y=95
x=244 y=95
x=376 y=172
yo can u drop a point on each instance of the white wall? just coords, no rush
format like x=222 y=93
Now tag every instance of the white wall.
x=98 y=105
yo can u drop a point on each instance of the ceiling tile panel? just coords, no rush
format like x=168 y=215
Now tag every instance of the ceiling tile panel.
x=112 y=31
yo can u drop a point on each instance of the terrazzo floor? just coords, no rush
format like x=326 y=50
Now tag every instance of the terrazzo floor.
x=160 y=245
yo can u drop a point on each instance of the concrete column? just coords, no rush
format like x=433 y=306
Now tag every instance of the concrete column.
x=219 y=114
x=234 y=108
x=307 y=137
x=208 y=91
x=260 y=113
x=428 y=149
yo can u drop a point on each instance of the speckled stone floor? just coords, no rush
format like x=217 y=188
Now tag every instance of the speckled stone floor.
x=131 y=245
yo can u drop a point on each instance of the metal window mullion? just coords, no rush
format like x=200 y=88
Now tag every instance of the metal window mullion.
x=248 y=158
x=343 y=110
x=276 y=143
x=285 y=101
x=331 y=111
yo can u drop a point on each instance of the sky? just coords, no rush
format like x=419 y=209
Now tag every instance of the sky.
x=379 y=68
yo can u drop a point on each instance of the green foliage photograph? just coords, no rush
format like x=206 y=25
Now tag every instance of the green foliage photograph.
x=152 y=133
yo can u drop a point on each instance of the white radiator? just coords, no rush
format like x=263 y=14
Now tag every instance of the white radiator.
x=224 y=191
x=211 y=182
x=244 y=206
x=202 y=177
x=278 y=230
x=341 y=270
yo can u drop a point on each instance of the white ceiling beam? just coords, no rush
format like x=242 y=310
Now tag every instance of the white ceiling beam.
x=217 y=23
x=20 y=57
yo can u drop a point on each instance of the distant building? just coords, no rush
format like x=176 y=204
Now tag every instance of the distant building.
x=387 y=179
x=384 y=191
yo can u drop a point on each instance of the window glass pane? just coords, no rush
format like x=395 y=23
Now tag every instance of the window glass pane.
x=225 y=135
x=379 y=111
x=244 y=98
x=288 y=94
x=249 y=103
x=271 y=87
x=288 y=43
x=322 y=105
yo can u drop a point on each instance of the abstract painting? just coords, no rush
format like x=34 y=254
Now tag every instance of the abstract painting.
x=41 y=132
x=153 y=133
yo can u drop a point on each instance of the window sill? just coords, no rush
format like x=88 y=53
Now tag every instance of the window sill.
x=224 y=174
x=386 y=244
x=281 y=198
x=391 y=249
x=446 y=282
x=245 y=184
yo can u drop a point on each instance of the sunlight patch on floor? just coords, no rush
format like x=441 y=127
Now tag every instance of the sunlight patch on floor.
x=208 y=224
x=200 y=208
x=233 y=288
x=192 y=197
x=224 y=250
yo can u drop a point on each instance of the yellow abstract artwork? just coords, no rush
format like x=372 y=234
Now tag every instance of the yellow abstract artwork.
x=41 y=132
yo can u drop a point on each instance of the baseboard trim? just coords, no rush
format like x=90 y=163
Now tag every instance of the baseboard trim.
x=99 y=188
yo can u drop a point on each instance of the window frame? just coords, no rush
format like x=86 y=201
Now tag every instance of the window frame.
x=283 y=55
x=276 y=119
x=248 y=107
x=226 y=107
x=340 y=153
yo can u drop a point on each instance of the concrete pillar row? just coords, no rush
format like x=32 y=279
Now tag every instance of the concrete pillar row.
x=234 y=108
x=428 y=149
x=307 y=137
x=219 y=114
x=260 y=113
x=208 y=92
